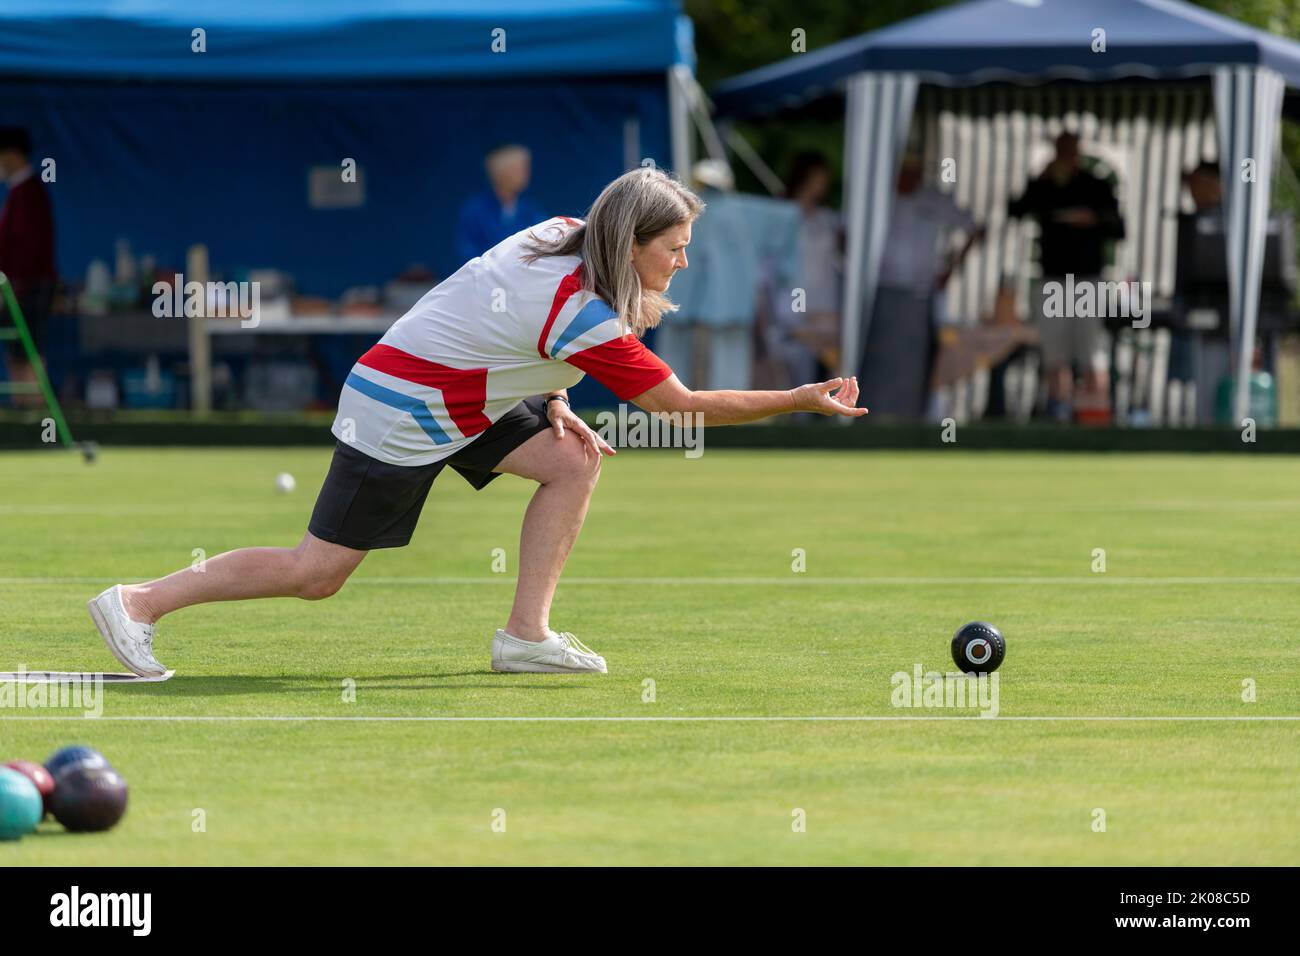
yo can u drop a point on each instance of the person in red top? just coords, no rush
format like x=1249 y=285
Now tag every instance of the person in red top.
x=26 y=237
x=570 y=289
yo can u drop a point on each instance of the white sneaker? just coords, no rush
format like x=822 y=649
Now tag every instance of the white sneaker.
x=560 y=653
x=130 y=641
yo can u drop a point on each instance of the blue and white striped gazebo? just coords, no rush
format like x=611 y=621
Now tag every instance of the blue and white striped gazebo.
x=1167 y=82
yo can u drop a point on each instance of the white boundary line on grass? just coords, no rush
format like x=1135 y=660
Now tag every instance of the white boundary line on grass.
x=181 y=718
x=792 y=579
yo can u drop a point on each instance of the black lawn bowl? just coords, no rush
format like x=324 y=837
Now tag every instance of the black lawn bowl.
x=89 y=799
x=978 y=648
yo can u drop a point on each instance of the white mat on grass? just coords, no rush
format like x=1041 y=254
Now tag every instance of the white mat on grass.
x=75 y=677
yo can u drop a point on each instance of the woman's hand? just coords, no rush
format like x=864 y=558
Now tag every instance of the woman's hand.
x=817 y=398
x=562 y=417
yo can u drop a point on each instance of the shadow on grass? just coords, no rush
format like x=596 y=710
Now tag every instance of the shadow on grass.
x=311 y=684
x=52 y=828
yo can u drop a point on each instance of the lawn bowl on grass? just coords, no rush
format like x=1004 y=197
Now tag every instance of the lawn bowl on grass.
x=742 y=685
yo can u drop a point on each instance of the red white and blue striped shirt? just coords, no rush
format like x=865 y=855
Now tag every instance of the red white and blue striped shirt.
x=496 y=332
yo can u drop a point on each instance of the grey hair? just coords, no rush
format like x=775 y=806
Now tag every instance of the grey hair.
x=639 y=205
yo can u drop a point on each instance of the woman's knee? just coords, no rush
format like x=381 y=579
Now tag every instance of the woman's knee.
x=546 y=459
x=323 y=568
x=319 y=586
x=575 y=461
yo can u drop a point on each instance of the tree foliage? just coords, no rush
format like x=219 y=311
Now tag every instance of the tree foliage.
x=733 y=36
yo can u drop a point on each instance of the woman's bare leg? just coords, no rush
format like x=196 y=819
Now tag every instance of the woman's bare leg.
x=313 y=570
x=566 y=471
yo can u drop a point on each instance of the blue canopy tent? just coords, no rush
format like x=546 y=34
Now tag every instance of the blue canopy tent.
x=172 y=124
x=1141 y=69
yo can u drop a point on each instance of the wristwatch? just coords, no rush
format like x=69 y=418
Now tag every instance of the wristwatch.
x=546 y=405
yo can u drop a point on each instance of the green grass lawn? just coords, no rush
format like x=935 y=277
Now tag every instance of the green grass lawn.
x=682 y=577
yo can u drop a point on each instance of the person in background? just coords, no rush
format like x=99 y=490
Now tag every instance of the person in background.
x=1190 y=291
x=1206 y=190
x=1077 y=214
x=500 y=211
x=809 y=339
x=743 y=240
x=26 y=244
x=898 y=345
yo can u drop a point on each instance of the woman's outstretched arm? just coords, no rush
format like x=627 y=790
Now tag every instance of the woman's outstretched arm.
x=728 y=407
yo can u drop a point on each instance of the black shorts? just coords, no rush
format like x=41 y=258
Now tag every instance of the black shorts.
x=367 y=504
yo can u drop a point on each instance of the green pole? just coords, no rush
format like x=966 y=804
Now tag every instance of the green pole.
x=52 y=403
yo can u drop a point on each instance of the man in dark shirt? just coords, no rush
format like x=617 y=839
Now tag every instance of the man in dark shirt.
x=1193 y=289
x=1077 y=214
x=26 y=240
x=1207 y=195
